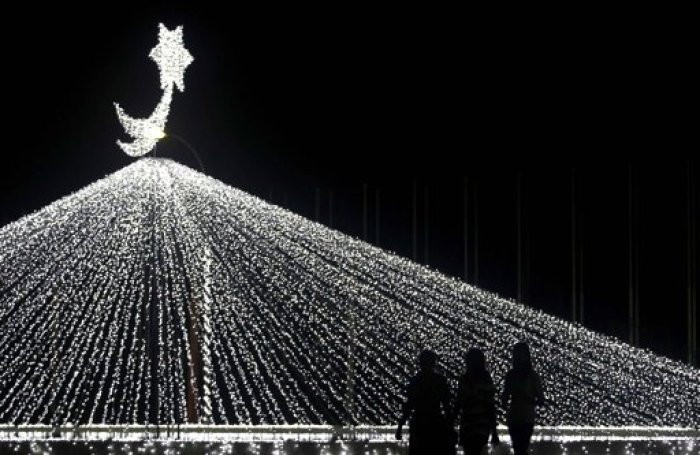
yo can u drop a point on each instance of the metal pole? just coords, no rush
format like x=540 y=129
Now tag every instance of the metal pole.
x=191 y=149
x=637 y=313
x=376 y=216
x=466 y=229
x=330 y=208
x=573 y=245
x=149 y=308
x=364 y=212
x=519 y=229
x=691 y=266
x=426 y=222
x=52 y=364
x=350 y=380
x=476 y=233
x=630 y=255
x=415 y=221
x=317 y=211
x=694 y=264
x=581 y=301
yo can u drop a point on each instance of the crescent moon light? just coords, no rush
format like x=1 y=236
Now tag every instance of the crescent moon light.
x=172 y=59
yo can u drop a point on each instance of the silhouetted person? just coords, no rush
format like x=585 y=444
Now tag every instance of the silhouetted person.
x=523 y=388
x=476 y=405
x=428 y=406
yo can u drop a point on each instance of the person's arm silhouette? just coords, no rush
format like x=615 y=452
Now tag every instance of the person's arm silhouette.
x=406 y=410
x=539 y=393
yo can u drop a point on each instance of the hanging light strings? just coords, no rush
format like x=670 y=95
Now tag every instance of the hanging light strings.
x=158 y=294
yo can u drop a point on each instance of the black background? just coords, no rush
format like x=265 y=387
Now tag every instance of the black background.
x=283 y=100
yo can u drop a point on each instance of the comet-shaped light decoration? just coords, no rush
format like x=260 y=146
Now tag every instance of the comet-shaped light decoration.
x=172 y=59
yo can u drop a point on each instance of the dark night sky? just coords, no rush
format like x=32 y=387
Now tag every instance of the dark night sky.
x=281 y=101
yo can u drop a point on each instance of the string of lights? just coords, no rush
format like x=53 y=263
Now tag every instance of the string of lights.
x=159 y=294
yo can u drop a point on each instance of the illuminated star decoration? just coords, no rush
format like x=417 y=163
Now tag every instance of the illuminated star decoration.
x=172 y=59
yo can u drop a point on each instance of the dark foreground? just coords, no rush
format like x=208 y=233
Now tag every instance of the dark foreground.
x=675 y=447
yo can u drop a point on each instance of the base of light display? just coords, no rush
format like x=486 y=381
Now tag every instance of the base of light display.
x=311 y=433
x=324 y=440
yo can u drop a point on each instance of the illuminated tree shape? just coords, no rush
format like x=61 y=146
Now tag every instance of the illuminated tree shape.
x=161 y=294
x=172 y=59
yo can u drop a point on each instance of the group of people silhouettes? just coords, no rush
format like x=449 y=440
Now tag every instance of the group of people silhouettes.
x=432 y=416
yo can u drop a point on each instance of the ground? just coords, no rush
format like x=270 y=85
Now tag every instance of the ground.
x=661 y=447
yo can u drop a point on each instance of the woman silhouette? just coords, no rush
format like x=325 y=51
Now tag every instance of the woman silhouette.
x=523 y=389
x=476 y=405
x=428 y=406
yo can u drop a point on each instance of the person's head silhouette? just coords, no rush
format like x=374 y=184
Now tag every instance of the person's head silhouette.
x=476 y=361
x=521 y=357
x=427 y=360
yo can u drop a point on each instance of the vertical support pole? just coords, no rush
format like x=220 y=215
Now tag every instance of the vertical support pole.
x=631 y=257
x=476 y=233
x=350 y=380
x=691 y=265
x=54 y=419
x=364 y=212
x=637 y=312
x=573 y=247
x=415 y=221
x=317 y=205
x=519 y=234
x=466 y=229
x=377 y=211
x=581 y=300
x=426 y=222
x=205 y=334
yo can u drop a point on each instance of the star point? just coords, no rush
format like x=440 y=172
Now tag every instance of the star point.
x=171 y=57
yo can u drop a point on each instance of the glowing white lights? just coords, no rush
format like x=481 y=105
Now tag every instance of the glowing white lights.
x=172 y=59
x=319 y=433
x=159 y=292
